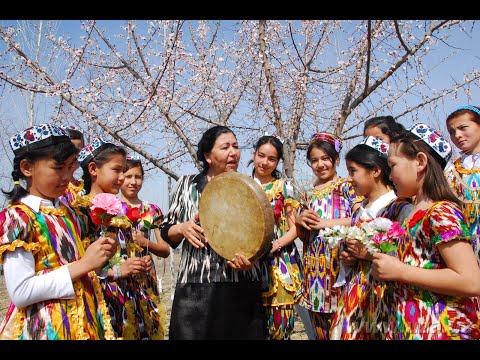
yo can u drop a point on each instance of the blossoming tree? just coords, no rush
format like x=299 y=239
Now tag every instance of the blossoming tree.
x=156 y=86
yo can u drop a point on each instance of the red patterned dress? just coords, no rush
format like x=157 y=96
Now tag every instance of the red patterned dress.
x=423 y=314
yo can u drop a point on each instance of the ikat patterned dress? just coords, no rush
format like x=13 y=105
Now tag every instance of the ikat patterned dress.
x=363 y=309
x=150 y=280
x=285 y=274
x=320 y=263
x=466 y=185
x=133 y=301
x=419 y=313
x=55 y=237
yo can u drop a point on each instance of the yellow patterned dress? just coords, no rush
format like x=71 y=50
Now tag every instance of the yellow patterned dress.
x=54 y=236
x=466 y=185
x=285 y=276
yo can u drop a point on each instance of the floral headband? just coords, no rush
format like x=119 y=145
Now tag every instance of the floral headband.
x=376 y=144
x=434 y=139
x=91 y=150
x=328 y=137
x=469 y=107
x=134 y=158
x=274 y=135
x=37 y=137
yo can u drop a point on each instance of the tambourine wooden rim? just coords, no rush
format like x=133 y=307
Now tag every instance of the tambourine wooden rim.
x=236 y=216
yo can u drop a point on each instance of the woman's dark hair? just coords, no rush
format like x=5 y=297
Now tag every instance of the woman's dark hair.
x=369 y=158
x=387 y=124
x=59 y=152
x=458 y=112
x=206 y=143
x=325 y=146
x=100 y=159
x=277 y=144
x=134 y=163
x=435 y=185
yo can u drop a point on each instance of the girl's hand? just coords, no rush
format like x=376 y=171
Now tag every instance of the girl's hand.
x=357 y=249
x=99 y=252
x=307 y=219
x=139 y=239
x=148 y=262
x=133 y=266
x=386 y=267
x=240 y=262
x=347 y=258
x=193 y=232
x=275 y=246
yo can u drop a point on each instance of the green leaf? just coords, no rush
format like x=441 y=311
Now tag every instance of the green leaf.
x=386 y=247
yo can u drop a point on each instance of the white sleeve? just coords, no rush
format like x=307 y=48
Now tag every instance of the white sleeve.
x=24 y=288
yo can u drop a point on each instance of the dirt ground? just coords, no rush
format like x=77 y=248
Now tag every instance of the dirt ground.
x=163 y=267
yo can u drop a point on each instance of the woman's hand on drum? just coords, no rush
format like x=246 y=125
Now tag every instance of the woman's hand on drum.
x=240 y=262
x=193 y=232
x=308 y=219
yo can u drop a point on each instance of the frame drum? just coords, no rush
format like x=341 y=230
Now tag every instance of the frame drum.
x=236 y=216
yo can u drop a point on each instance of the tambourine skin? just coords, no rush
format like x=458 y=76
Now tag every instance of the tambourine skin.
x=236 y=215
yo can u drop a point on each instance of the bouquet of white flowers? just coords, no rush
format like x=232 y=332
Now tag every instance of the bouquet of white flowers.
x=376 y=235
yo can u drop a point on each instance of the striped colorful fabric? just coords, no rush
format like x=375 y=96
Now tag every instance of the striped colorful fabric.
x=321 y=264
x=54 y=236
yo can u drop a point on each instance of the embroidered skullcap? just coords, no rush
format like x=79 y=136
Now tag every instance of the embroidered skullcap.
x=37 y=137
x=377 y=144
x=434 y=139
x=91 y=150
x=332 y=139
x=72 y=127
x=134 y=158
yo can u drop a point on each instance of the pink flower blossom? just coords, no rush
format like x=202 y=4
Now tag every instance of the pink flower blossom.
x=395 y=231
x=107 y=202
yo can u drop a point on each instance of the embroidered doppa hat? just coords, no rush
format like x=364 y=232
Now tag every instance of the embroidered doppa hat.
x=328 y=137
x=37 y=137
x=377 y=144
x=134 y=158
x=91 y=150
x=434 y=139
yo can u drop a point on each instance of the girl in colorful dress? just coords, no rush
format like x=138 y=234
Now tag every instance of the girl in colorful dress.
x=284 y=259
x=49 y=275
x=332 y=202
x=464 y=176
x=131 y=187
x=382 y=127
x=362 y=310
x=435 y=272
x=133 y=303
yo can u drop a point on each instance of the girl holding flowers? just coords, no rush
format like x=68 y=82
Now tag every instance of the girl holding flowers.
x=362 y=310
x=132 y=303
x=145 y=218
x=332 y=202
x=435 y=272
x=283 y=259
x=49 y=275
